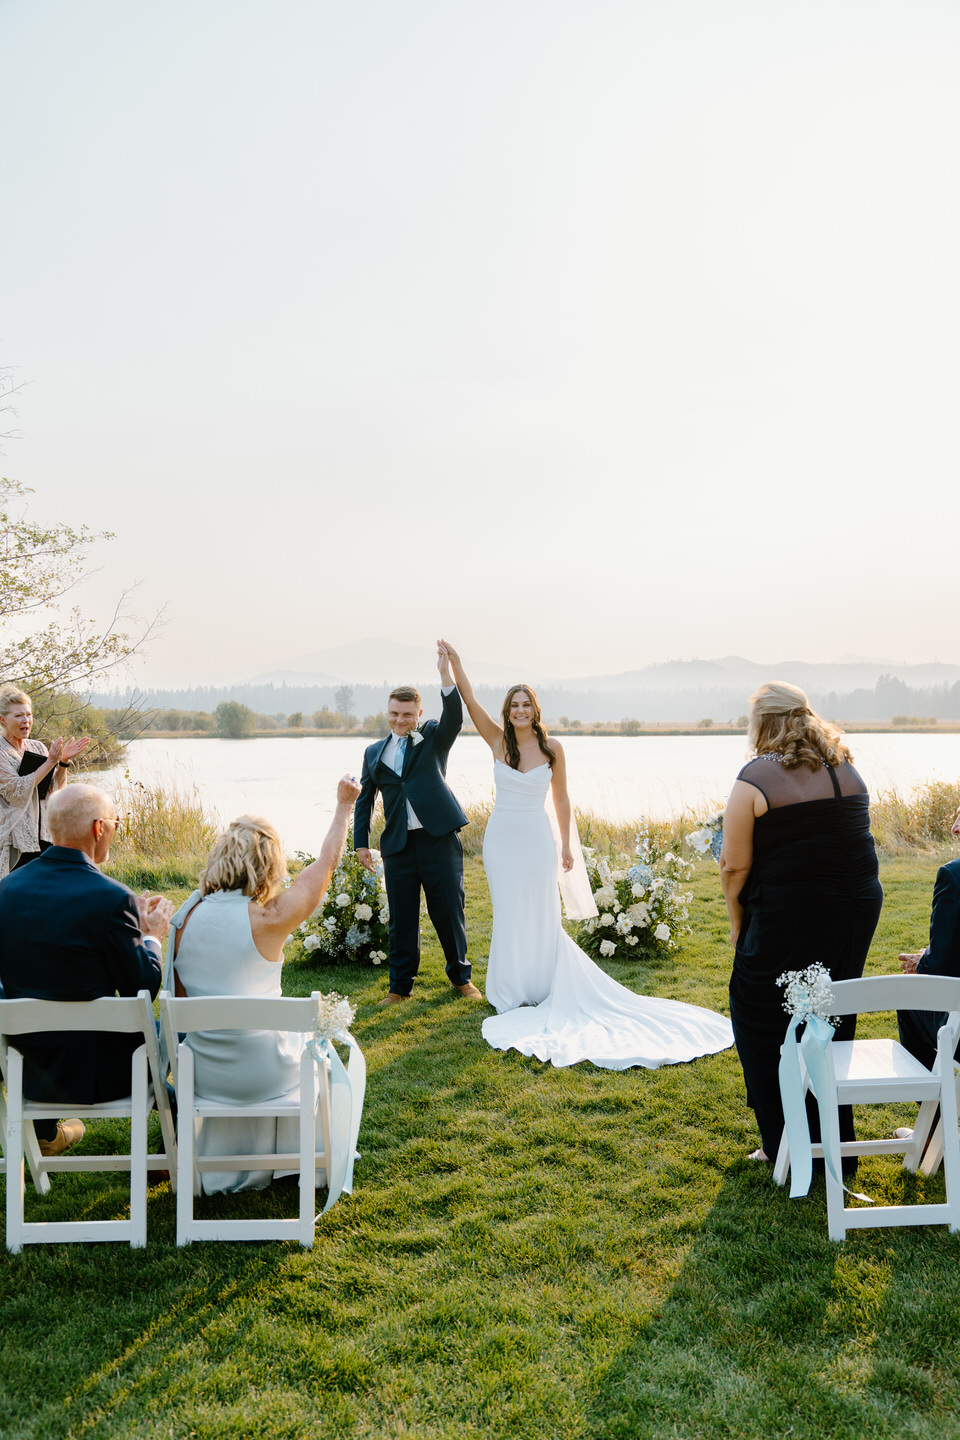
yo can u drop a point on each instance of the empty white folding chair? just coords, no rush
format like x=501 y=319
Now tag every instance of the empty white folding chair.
x=882 y=1072
x=308 y=1104
x=118 y=1015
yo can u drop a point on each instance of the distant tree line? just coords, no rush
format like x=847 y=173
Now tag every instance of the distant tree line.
x=890 y=696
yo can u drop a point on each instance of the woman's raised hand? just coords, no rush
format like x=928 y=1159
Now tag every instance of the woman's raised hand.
x=445 y=648
x=73 y=747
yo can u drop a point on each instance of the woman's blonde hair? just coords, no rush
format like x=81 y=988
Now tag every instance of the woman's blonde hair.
x=11 y=697
x=248 y=856
x=782 y=723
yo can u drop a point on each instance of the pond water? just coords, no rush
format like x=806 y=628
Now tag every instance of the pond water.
x=293 y=780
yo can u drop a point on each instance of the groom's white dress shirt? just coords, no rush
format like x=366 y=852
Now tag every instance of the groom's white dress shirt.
x=389 y=755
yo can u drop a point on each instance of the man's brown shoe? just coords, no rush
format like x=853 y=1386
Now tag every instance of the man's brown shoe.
x=68 y=1133
x=392 y=998
x=468 y=991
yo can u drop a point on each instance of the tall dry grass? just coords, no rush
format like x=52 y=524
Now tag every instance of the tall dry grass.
x=164 y=837
x=608 y=836
x=918 y=823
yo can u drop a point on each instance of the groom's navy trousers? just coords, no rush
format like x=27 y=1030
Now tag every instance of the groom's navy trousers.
x=435 y=863
x=428 y=859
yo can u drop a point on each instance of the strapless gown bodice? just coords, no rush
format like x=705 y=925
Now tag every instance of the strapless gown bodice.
x=553 y=1001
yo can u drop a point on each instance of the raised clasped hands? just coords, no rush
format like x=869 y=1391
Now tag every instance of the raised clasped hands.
x=446 y=656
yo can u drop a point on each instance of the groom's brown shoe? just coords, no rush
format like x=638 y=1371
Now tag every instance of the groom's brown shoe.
x=468 y=991
x=392 y=998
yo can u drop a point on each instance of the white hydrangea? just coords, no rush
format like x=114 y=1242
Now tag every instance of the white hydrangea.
x=605 y=896
x=330 y=924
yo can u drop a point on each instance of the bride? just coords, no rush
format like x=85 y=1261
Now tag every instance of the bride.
x=552 y=1000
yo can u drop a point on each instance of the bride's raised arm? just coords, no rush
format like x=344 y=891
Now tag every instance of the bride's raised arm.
x=486 y=725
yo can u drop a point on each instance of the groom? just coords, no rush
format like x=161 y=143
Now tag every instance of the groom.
x=420 y=845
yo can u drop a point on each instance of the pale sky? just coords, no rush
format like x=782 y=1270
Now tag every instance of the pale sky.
x=588 y=334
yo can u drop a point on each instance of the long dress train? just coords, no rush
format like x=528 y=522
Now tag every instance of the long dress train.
x=554 y=1002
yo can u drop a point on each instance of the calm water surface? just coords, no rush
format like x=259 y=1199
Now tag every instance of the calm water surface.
x=293 y=781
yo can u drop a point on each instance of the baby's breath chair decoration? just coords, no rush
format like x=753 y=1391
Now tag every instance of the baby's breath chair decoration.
x=808 y=996
x=348 y=1086
x=643 y=906
x=350 y=928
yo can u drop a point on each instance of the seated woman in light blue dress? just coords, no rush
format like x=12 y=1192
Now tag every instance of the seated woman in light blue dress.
x=227 y=939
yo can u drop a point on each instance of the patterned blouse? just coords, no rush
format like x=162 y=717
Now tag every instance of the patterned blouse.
x=22 y=815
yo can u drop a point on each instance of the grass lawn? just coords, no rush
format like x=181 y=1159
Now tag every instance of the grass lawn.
x=529 y=1252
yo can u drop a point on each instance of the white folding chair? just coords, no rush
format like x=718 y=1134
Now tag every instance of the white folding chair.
x=180 y=1016
x=31 y=1148
x=118 y=1015
x=882 y=1072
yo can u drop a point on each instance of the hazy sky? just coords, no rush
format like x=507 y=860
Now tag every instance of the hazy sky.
x=590 y=334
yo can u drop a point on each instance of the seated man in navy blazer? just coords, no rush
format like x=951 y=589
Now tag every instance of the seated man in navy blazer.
x=420 y=844
x=69 y=933
x=918 y=1028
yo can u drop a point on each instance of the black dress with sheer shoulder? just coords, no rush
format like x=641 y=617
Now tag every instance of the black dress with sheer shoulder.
x=813 y=894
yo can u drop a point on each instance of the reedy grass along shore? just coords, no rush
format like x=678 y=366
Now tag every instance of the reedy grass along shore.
x=166 y=834
x=529 y=1253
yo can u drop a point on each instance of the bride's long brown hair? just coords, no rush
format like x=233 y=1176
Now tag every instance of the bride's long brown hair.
x=510 y=746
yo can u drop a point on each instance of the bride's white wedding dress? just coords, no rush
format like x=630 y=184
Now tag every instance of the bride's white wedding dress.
x=553 y=1001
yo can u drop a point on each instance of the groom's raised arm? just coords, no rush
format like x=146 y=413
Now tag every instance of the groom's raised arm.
x=451 y=720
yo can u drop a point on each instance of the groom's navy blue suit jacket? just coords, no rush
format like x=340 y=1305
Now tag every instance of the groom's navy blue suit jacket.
x=422 y=783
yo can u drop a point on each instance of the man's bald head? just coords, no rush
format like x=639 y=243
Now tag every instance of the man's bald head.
x=72 y=812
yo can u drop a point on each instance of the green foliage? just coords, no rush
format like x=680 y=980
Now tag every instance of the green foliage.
x=376 y=724
x=350 y=928
x=61 y=713
x=234 y=720
x=630 y=727
x=325 y=720
x=295 y=721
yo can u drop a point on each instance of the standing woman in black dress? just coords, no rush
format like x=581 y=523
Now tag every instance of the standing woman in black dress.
x=799 y=874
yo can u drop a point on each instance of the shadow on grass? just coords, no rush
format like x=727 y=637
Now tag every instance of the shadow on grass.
x=772 y=1329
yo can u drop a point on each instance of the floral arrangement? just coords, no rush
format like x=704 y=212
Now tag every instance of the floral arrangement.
x=642 y=903
x=335 y=1017
x=350 y=927
x=808 y=993
x=709 y=837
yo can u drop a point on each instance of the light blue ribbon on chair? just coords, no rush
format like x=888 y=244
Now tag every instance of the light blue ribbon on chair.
x=348 y=1086
x=814 y=1041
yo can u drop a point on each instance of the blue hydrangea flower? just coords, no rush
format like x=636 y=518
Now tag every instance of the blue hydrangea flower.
x=640 y=874
x=356 y=936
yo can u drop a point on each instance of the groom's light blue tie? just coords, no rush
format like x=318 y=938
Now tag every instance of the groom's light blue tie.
x=398 y=754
